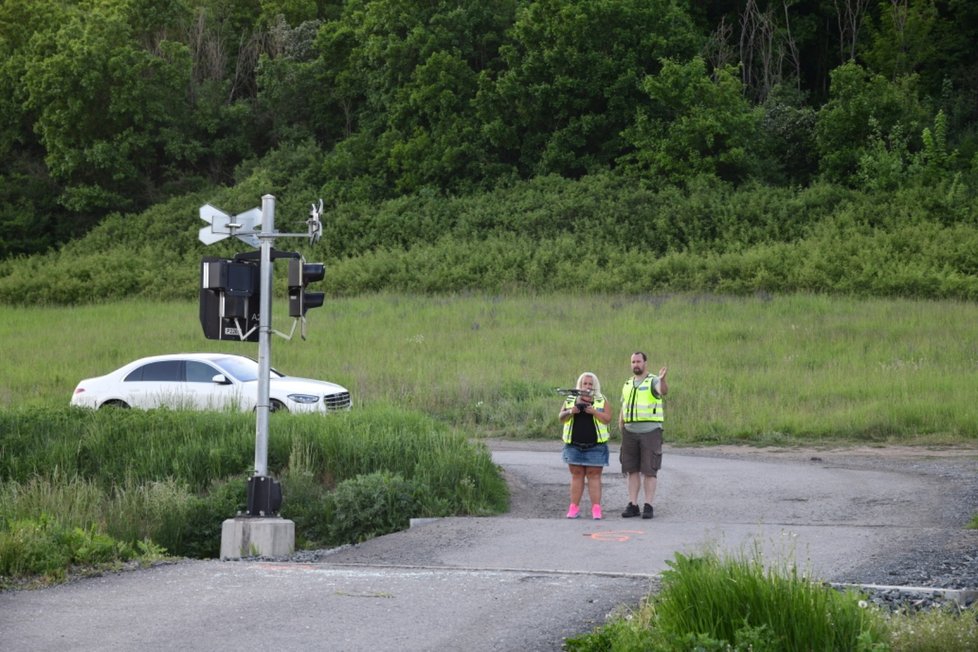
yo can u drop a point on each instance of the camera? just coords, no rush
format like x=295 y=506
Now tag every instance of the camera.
x=581 y=406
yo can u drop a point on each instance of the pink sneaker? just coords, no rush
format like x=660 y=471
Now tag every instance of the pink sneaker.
x=596 y=512
x=574 y=511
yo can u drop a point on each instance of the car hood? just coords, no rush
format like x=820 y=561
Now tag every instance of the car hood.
x=295 y=384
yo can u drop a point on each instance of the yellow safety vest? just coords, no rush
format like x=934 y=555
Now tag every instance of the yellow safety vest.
x=640 y=403
x=602 y=428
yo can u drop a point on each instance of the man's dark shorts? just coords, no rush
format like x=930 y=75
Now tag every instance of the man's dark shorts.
x=641 y=452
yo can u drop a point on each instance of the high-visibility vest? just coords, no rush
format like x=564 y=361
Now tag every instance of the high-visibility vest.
x=602 y=428
x=640 y=403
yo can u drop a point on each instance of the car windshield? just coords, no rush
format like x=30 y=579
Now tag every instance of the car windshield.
x=243 y=370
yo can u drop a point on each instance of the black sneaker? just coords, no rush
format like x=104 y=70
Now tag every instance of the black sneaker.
x=630 y=511
x=646 y=511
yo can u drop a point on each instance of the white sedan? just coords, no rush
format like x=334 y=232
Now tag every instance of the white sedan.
x=205 y=381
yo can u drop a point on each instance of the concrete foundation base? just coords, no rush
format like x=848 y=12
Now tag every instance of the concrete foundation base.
x=248 y=536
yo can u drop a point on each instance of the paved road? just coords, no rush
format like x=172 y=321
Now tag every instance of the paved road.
x=522 y=581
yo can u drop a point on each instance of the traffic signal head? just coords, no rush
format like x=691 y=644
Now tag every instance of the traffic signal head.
x=301 y=274
x=230 y=296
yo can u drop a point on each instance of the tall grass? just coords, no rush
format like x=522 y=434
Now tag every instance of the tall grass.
x=132 y=481
x=740 y=603
x=726 y=598
x=714 y=602
x=116 y=450
x=753 y=369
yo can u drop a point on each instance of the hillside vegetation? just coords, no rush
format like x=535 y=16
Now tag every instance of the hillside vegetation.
x=554 y=145
x=597 y=234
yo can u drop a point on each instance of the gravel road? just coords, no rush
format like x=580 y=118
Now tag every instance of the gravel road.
x=947 y=559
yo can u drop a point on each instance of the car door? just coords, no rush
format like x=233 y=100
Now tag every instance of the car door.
x=156 y=384
x=204 y=392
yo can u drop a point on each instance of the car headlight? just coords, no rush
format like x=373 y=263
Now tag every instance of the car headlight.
x=303 y=398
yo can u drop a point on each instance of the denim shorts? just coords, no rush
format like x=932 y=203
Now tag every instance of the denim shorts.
x=597 y=455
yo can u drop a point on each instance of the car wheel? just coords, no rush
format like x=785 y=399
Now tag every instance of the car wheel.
x=122 y=405
x=277 y=406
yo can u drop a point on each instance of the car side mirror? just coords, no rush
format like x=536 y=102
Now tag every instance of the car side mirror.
x=220 y=379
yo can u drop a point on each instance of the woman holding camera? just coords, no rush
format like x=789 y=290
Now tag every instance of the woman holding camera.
x=585 y=418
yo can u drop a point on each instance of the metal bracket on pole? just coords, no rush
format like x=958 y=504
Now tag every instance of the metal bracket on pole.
x=284 y=336
x=242 y=335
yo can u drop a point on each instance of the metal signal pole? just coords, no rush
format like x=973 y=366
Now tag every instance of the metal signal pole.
x=267 y=239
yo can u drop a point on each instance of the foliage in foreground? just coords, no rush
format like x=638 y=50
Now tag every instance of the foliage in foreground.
x=718 y=603
x=936 y=630
x=711 y=603
x=42 y=547
x=83 y=488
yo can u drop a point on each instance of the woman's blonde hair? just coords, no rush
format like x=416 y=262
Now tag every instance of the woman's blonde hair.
x=597 y=383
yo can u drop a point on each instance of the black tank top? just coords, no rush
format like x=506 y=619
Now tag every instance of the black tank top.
x=583 y=430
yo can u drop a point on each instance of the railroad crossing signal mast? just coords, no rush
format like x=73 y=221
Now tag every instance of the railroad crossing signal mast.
x=236 y=303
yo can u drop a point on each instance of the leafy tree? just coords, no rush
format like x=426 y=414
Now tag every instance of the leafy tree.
x=902 y=40
x=30 y=219
x=290 y=86
x=935 y=161
x=864 y=110
x=933 y=39
x=20 y=22
x=786 y=143
x=571 y=78
x=882 y=164
x=694 y=124
x=110 y=113
x=433 y=136
x=402 y=75
x=292 y=12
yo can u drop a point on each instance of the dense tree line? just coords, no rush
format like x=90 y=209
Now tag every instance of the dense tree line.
x=113 y=106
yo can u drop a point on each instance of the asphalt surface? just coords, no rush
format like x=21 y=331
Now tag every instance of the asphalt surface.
x=522 y=581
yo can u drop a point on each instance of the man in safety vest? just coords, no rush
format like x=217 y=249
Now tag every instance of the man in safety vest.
x=640 y=422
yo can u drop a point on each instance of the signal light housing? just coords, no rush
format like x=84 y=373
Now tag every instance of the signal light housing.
x=301 y=274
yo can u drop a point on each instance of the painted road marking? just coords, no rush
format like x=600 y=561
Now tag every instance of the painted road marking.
x=613 y=535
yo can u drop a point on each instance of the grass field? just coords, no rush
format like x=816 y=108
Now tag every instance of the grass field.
x=764 y=370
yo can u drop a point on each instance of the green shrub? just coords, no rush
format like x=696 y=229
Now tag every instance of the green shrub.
x=200 y=533
x=371 y=505
x=44 y=547
x=720 y=597
x=33 y=547
x=699 y=236
x=307 y=503
x=619 y=635
x=719 y=604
